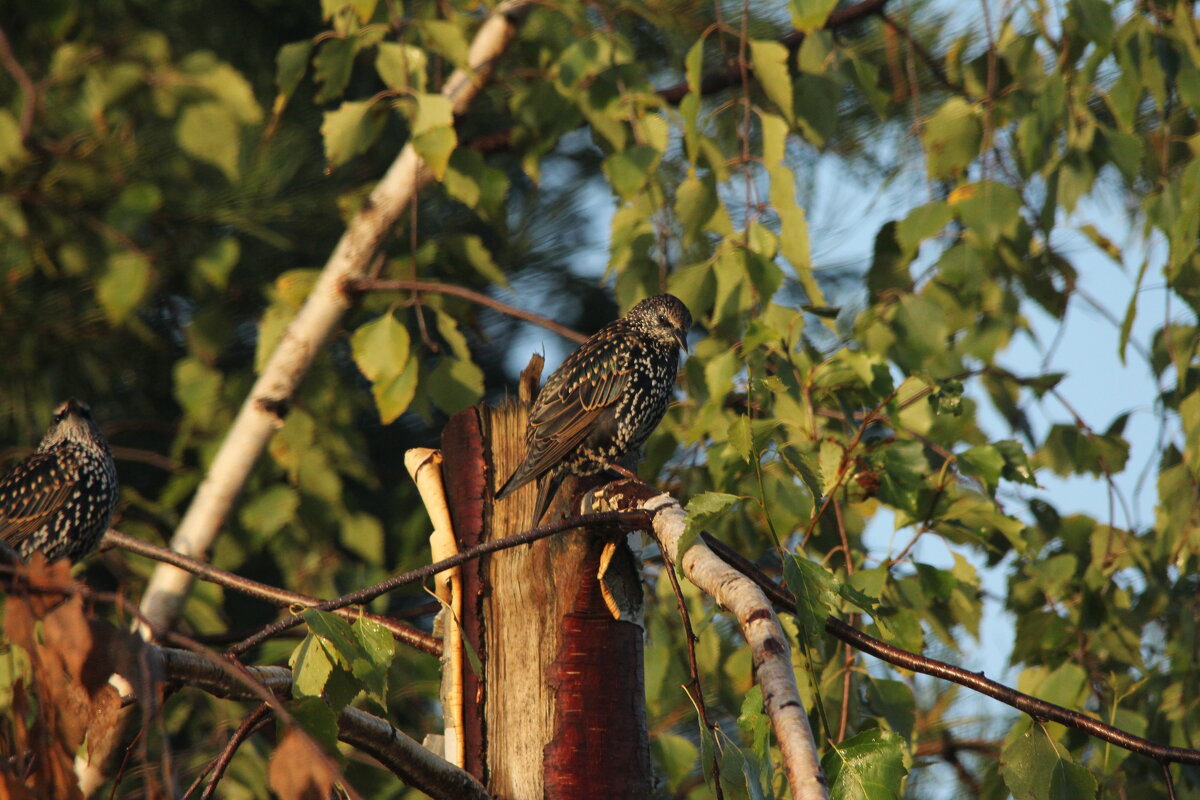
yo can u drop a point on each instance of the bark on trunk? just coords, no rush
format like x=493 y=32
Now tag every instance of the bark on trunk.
x=559 y=711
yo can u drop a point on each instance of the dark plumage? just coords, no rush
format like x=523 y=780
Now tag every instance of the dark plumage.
x=60 y=500
x=605 y=399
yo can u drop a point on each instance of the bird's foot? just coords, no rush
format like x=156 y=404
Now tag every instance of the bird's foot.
x=623 y=472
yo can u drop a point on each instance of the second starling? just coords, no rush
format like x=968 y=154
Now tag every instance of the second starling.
x=60 y=500
x=606 y=398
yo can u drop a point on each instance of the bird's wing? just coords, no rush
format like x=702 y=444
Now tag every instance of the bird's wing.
x=573 y=410
x=31 y=493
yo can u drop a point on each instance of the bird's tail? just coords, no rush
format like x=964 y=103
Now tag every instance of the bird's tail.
x=521 y=476
x=546 y=491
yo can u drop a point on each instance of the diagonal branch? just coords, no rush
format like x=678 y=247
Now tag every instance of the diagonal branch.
x=405 y=757
x=263 y=411
x=1033 y=706
x=416 y=287
x=401 y=632
x=770 y=652
x=28 y=90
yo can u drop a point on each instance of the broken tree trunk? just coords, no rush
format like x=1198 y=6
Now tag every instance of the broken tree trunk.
x=558 y=710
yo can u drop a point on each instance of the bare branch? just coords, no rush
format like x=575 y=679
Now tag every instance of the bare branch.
x=405 y=757
x=406 y=634
x=417 y=287
x=1033 y=706
x=263 y=411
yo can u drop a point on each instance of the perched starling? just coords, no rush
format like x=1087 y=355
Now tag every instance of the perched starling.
x=605 y=399
x=60 y=500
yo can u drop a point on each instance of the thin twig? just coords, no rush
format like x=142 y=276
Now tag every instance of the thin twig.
x=634 y=518
x=216 y=768
x=697 y=691
x=431 y=287
x=1033 y=706
x=406 y=634
x=28 y=90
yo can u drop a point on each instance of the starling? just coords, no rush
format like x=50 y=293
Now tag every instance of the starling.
x=60 y=500
x=605 y=399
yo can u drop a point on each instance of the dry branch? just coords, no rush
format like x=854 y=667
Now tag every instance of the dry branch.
x=771 y=654
x=406 y=758
x=263 y=411
x=1035 y=707
x=401 y=632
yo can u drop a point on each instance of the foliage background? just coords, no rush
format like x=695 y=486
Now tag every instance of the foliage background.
x=186 y=167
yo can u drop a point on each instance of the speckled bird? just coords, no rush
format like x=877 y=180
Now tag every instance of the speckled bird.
x=605 y=399
x=60 y=500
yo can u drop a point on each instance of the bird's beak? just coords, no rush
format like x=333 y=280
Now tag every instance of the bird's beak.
x=681 y=337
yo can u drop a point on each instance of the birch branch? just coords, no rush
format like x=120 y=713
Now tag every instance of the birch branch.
x=406 y=758
x=262 y=412
x=770 y=652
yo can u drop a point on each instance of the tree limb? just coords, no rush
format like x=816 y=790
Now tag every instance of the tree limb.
x=1033 y=706
x=405 y=757
x=263 y=411
x=769 y=648
x=417 y=287
x=401 y=632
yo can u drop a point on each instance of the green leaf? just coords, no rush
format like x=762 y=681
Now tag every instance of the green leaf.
x=376 y=650
x=270 y=510
x=1037 y=768
x=123 y=285
x=1094 y=18
x=363 y=535
x=394 y=394
x=471 y=250
x=447 y=39
x=829 y=459
x=867 y=766
x=984 y=462
x=455 y=384
x=951 y=138
x=702 y=509
x=218 y=260
x=317 y=719
x=741 y=439
x=381 y=351
x=332 y=67
x=311 y=667
x=628 y=170
x=209 y=133
x=695 y=203
x=334 y=631
x=380 y=348
x=810 y=15
x=816 y=593
x=401 y=66
x=291 y=62
x=434 y=144
x=350 y=129
x=770 y=60
x=12 y=150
